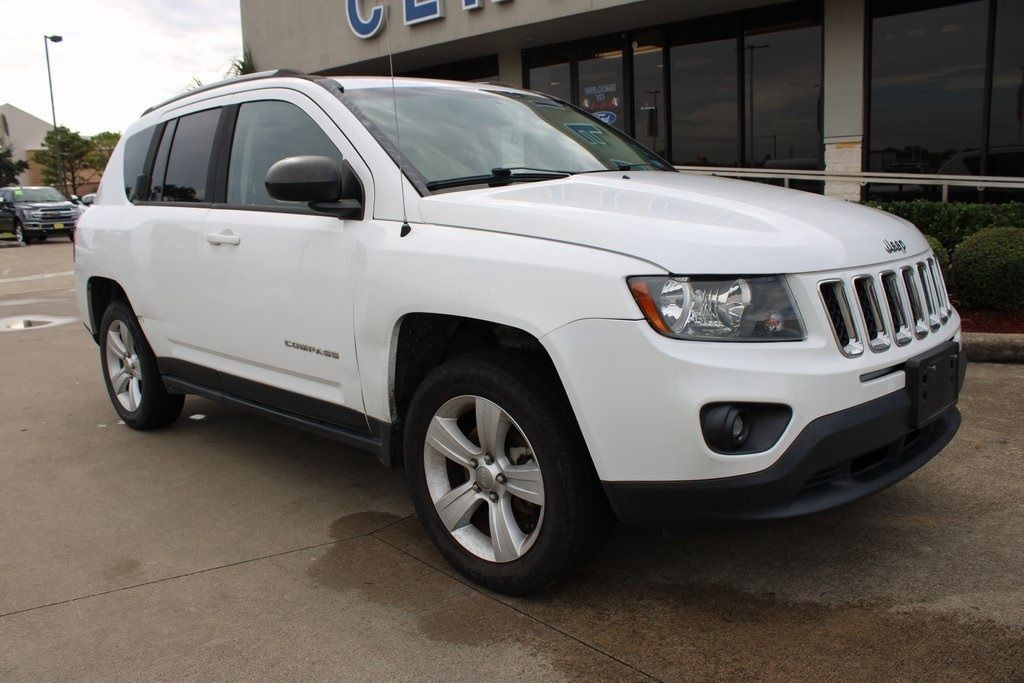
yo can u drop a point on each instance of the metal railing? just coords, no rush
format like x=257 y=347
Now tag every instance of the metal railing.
x=899 y=179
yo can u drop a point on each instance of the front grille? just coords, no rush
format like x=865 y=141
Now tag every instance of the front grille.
x=891 y=306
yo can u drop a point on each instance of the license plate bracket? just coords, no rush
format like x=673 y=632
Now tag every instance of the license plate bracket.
x=933 y=383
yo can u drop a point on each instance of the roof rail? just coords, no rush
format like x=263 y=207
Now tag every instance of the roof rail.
x=277 y=73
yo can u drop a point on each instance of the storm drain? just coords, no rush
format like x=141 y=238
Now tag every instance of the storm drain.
x=27 y=322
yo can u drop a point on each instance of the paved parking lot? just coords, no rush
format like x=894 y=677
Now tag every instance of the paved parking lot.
x=230 y=547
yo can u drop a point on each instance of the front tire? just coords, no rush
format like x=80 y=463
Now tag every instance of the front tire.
x=500 y=475
x=19 y=233
x=131 y=373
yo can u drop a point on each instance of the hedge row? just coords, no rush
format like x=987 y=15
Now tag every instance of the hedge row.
x=953 y=222
x=988 y=268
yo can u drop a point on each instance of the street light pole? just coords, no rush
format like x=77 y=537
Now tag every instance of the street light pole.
x=53 y=111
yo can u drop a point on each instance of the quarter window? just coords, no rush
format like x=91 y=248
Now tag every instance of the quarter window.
x=265 y=133
x=188 y=165
x=135 y=150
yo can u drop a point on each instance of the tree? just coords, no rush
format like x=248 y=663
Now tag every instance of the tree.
x=72 y=168
x=10 y=168
x=102 y=147
x=242 y=65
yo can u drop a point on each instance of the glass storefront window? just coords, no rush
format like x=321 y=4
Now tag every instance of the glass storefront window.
x=649 y=95
x=783 y=98
x=601 y=88
x=705 y=121
x=1006 y=136
x=552 y=80
x=927 y=90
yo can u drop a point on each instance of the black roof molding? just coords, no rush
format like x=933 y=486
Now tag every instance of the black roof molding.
x=277 y=73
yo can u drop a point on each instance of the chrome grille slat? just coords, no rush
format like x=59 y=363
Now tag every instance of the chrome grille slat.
x=889 y=308
x=934 y=320
x=871 y=313
x=837 y=305
x=916 y=306
x=897 y=309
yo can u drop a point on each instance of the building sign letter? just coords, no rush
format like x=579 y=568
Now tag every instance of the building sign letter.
x=418 y=11
x=365 y=28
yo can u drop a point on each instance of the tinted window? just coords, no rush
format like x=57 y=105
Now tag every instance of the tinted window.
x=136 y=148
x=783 y=98
x=649 y=92
x=189 y=161
x=601 y=86
x=927 y=89
x=160 y=164
x=265 y=133
x=1006 y=150
x=705 y=123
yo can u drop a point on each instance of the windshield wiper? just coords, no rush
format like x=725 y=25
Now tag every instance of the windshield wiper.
x=500 y=176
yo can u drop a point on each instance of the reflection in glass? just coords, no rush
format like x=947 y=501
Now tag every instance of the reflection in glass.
x=1006 y=139
x=783 y=98
x=705 y=125
x=552 y=80
x=927 y=91
x=601 y=90
x=648 y=92
x=189 y=161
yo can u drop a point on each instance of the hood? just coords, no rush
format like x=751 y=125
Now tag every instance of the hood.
x=44 y=205
x=686 y=223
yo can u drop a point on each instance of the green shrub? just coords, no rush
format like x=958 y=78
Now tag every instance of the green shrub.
x=941 y=253
x=989 y=270
x=952 y=222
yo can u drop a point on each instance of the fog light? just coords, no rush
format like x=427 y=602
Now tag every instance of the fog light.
x=742 y=428
x=727 y=427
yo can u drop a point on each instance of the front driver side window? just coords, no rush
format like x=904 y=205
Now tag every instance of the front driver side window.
x=266 y=132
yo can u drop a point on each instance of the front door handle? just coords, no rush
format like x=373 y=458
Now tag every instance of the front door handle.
x=224 y=238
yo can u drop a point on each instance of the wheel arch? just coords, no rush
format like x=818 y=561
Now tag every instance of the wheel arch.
x=423 y=341
x=100 y=293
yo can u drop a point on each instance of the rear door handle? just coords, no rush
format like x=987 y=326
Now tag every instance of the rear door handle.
x=224 y=238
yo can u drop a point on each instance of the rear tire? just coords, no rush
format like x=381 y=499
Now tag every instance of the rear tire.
x=131 y=374
x=546 y=529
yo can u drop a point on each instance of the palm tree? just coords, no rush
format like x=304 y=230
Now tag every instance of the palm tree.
x=242 y=65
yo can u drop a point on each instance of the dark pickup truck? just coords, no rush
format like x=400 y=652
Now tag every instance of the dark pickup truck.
x=36 y=213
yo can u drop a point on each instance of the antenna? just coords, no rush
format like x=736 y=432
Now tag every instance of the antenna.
x=406 y=229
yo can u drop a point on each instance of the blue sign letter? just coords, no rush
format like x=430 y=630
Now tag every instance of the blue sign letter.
x=365 y=28
x=418 y=11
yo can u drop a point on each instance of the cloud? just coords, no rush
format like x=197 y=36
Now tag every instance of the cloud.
x=118 y=57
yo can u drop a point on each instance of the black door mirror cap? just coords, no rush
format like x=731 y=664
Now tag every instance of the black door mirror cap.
x=310 y=179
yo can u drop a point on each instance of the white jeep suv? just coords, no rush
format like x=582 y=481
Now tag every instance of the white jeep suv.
x=548 y=325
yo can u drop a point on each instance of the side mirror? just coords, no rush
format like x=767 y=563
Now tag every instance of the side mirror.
x=316 y=180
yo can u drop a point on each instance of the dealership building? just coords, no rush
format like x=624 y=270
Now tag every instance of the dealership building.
x=820 y=94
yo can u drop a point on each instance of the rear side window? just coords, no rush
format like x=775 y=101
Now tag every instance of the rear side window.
x=265 y=133
x=188 y=164
x=136 y=148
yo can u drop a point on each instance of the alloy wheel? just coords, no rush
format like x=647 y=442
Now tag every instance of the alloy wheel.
x=484 y=479
x=123 y=366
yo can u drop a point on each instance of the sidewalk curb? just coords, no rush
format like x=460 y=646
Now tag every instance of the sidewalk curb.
x=986 y=347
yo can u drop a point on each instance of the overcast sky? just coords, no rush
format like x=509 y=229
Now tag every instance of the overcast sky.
x=118 y=57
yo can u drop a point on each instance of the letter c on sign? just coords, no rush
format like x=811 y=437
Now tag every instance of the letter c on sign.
x=365 y=28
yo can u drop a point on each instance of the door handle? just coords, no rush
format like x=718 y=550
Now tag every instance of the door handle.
x=224 y=238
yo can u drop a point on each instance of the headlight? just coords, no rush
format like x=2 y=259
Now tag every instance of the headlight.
x=33 y=213
x=757 y=308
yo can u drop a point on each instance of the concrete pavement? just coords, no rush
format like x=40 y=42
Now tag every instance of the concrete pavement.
x=231 y=547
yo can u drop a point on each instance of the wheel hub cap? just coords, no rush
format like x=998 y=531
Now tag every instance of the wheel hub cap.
x=484 y=479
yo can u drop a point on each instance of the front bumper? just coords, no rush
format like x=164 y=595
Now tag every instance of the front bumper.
x=835 y=460
x=48 y=227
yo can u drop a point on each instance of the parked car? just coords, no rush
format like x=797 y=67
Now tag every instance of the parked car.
x=36 y=213
x=545 y=323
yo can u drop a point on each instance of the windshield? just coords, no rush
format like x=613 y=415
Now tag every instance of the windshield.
x=37 y=194
x=452 y=133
